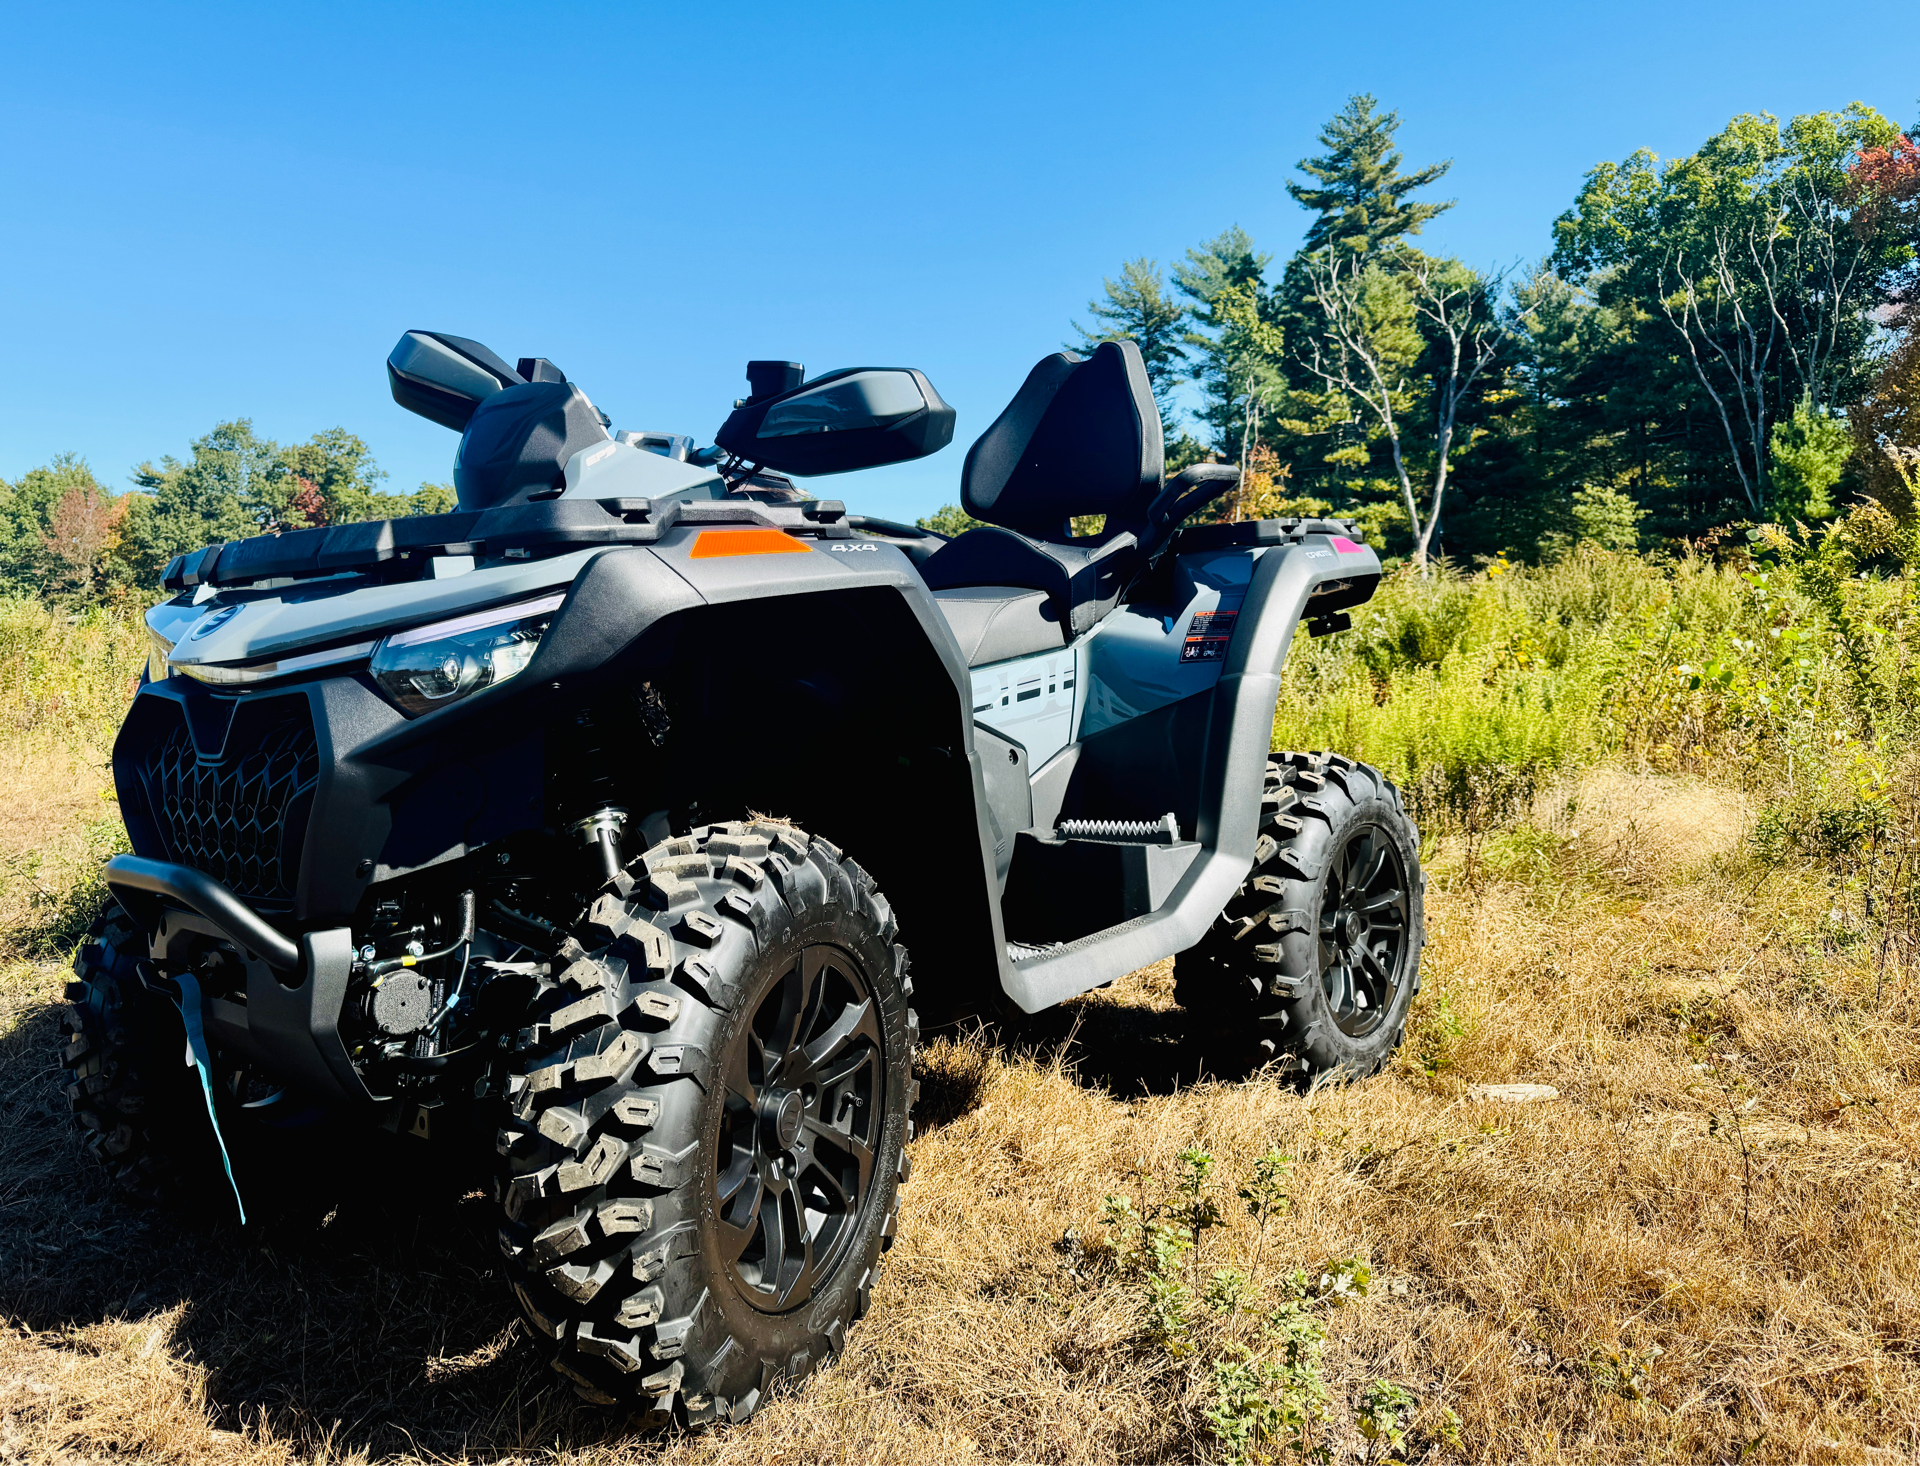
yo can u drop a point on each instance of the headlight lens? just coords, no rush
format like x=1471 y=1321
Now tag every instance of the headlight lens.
x=158 y=650
x=431 y=666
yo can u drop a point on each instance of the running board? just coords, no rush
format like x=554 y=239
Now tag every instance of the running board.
x=1045 y=975
x=1060 y=890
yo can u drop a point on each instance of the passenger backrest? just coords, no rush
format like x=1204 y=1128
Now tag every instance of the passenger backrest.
x=1081 y=436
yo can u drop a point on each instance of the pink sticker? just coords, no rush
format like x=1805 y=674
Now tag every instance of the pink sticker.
x=1346 y=546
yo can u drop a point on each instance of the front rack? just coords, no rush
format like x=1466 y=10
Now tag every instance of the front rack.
x=548 y=527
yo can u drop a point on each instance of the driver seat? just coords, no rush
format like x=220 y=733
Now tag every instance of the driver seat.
x=1081 y=436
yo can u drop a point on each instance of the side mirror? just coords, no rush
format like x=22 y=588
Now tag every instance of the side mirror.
x=861 y=417
x=443 y=378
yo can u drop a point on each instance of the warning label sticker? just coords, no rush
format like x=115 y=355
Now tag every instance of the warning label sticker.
x=1208 y=636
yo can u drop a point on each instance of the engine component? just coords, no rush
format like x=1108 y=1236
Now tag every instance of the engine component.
x=602 y=829
x=401 y=1002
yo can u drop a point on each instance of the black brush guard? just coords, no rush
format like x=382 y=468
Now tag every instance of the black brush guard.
x=290 y=1022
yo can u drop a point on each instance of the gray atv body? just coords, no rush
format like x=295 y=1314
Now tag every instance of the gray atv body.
x=993 y=729
x=595 y=815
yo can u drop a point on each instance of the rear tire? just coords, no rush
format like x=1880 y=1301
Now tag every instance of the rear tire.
x=1317 y=956
x=709 y=1120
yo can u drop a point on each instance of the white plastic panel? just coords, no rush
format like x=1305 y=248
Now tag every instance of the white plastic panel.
x=616 y=470
x=1030 y=700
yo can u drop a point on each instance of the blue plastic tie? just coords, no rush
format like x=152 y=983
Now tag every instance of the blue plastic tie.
x=197 y=1046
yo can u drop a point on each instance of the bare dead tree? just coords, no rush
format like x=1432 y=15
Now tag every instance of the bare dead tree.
x=1374 y=366
x=1708 y=306
x=1786 y=280
x=1829 y=259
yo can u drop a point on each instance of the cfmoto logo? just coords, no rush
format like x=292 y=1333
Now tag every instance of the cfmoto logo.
x=210 y=624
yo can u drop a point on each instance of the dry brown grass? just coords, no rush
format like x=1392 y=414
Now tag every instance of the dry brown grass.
x=53 y=798
x=1726 y=1193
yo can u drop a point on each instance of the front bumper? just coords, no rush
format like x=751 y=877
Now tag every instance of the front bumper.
x=295 y=988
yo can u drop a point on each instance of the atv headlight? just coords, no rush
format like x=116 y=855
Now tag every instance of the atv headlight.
x=430 y=666
x=158 y=650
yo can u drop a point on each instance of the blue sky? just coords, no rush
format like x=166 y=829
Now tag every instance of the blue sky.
x=233 y=211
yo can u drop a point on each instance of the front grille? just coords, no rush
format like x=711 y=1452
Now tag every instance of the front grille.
x=241 y=820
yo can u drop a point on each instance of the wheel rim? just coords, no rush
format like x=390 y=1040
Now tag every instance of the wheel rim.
x=805 y=1086
x=1363 y=930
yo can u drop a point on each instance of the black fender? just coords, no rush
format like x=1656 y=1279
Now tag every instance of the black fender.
x=725 y=625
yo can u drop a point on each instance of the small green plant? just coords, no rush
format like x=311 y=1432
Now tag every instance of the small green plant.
x=1155 y=1237
x=1382 y=1416
x=1252 y=1336
x=1436 y=1029
x=1623 y=1371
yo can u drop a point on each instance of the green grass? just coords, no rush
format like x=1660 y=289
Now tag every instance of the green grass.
x=67 y=675
x=1473 y=692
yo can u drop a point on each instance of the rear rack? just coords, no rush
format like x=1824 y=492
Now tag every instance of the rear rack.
x=1259 y=532
x=555 y=525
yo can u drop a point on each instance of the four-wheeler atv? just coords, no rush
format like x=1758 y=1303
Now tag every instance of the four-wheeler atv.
x=599 y=810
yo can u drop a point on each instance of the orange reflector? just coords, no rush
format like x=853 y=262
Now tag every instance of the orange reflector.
x=712 y=544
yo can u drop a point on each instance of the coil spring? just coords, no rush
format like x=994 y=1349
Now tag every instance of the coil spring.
x=1165 y=828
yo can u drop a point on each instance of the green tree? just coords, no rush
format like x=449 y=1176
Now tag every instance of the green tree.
x=1810 y=450
x=1755 y=260
x=1250 y=348
x=431 y=499
x=58 y=529
x=332 y=481
x=223 y=491
x=1333 y=446
x=1359 y=196
x=1139 y=308
x=1604 y=516
x=1403 y=341
x=1225 y=278
x=950 y=520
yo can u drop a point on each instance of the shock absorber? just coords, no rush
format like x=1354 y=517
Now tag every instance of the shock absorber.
x=587 y=765
x=602 y=830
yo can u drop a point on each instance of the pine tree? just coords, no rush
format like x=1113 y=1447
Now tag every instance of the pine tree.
x=1361 y=206
x=1139 y=309
x=1361 y=202
x=1225 y=278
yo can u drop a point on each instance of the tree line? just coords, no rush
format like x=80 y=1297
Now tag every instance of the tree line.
x=1728 y=337
x=66 y=535
x=1723 y=337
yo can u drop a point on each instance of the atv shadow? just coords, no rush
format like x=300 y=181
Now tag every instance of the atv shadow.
x=1128 y=1039
x=1129 y=1051
x=362 y=1310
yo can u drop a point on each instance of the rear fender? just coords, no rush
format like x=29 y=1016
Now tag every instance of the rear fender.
x=1312 y=579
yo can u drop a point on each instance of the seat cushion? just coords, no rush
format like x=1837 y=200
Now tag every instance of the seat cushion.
x=995 y=622
x=1083 y=580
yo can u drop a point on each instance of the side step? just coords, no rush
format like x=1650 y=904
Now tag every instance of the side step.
x=1059 y=890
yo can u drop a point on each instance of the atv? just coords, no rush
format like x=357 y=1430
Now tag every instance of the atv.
x=594 y=814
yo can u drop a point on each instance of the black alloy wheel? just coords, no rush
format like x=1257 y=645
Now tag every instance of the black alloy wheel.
x=1363 y=930
x=799 y=1129
x=1316 y=957
x=706 y=1123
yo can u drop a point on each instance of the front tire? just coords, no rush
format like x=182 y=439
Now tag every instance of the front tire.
x=1317 y=956
x=136 y=1102
x=709 y=1122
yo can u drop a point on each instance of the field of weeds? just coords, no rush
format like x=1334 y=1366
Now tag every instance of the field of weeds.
x=1670 y=826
